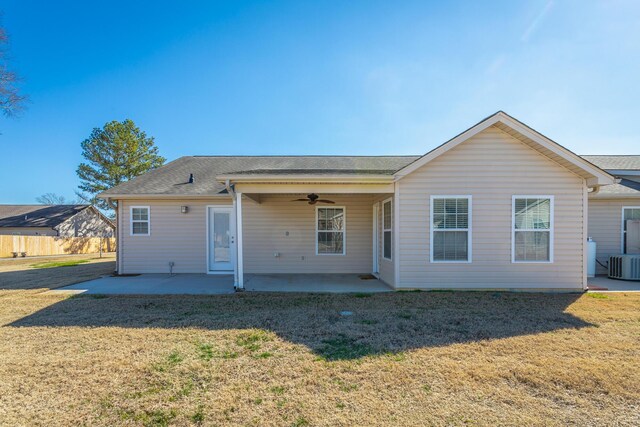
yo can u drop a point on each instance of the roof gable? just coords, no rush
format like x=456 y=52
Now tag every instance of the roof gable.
x=528 y=136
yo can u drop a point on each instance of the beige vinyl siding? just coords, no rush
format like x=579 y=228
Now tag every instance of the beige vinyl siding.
x=491 y=167
x=265 y=233
x=177 y=237
x=385 y=266
x=605 y=225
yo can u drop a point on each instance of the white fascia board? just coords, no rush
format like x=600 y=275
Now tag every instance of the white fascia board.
x=306 y=178
x=163 y=196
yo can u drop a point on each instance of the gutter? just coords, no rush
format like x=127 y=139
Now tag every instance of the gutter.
x=161 y=196
x=294 y=179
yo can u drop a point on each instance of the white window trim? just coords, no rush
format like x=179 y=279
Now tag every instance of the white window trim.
x=622 y=232
x=131 y=221
x=344 y=230
x=551 y=228
x=384 y=202
x=469 y=230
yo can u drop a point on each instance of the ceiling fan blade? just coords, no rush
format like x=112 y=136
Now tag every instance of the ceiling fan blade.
x=326 y=201
x=300 y=200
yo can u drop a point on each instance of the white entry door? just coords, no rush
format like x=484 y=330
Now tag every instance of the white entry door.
x=222 y=239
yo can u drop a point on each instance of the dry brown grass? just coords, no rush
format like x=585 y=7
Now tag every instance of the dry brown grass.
x=270 y=359
x=20 y=273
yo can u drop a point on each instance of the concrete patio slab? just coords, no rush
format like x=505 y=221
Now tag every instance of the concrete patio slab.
x=332 y=283
x=612 y=285
x=154 y=284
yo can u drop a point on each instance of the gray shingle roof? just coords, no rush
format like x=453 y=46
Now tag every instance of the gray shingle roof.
x=625 y=188
x=613 y=162
x=172 y=178
x=37 y=215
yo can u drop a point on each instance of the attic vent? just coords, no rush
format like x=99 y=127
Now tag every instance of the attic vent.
x=191 y=179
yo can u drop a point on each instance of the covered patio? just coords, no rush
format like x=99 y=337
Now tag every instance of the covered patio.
x=207 y=284
x=304 y=233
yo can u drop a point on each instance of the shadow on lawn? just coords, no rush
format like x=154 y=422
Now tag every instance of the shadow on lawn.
x=27 y=277
x=380 y=323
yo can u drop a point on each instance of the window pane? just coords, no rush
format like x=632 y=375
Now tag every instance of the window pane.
x=330 y=242
x=387 y=215
x=532 y=214
x=330 y=219
x=438 y=206
x=140 y=214
x=450 y=214
x=631 y=214
x=462 y=206
x=532 y=245
x=450 y=246
x=438 y=221
x=462 y=221
x=387 y=244
x=221 y=237
x=140 y=228
x=629 y=239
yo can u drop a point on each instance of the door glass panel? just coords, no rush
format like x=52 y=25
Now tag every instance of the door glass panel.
x=221 y=245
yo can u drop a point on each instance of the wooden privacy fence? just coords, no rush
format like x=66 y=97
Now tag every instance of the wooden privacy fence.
x=51 y=245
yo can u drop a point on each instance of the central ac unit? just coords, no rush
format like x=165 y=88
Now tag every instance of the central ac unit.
x=624 y=267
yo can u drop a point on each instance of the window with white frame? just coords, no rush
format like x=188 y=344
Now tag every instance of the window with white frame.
x=140 y=221
x=387 y=224
x=532 y=239
x=330 y=231
x=451 y=229
x=631 y=230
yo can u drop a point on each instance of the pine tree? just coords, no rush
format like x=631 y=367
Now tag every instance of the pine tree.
x=115 y=154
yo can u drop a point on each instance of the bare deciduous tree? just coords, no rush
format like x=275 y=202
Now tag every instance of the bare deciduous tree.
x=55 y=199
x=11 y=101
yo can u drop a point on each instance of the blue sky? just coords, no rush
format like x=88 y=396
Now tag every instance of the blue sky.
x=357 y=77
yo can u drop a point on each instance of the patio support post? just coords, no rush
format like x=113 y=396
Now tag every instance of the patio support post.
x=239 y=258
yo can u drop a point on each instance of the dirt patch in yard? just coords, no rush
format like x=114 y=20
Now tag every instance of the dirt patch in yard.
x=273 y=359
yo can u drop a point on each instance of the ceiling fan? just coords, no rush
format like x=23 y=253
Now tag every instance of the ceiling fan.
x=312 y=199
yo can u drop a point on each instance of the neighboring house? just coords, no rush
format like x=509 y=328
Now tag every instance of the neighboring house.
x=614 y=211
x=54 y=220
x=499 y=206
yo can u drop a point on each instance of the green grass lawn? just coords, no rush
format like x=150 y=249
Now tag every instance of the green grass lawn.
x=55 y=264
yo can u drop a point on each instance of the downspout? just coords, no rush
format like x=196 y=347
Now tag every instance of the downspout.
x=114 y=206
x=230 y=189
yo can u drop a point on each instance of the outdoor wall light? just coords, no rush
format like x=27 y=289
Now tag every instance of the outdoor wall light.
x=184 y=209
